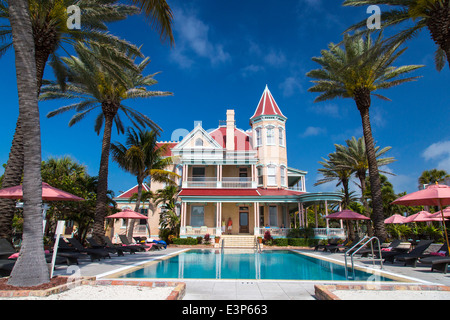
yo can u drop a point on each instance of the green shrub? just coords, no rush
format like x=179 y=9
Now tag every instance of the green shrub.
x=185 y=241
x=281 y=242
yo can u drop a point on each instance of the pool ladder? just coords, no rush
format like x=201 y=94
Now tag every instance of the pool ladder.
x=257 y=246
x=365 y=241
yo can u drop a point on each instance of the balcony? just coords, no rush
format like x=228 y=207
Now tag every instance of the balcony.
x=213 y=183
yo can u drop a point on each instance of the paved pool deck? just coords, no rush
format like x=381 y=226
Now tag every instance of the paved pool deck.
x=252 y=289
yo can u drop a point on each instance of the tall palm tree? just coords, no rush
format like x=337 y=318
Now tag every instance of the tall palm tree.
x=142 y=157
x=420 y=14
x=50 y=33
x=432 y=176
x=99 y=79
x=331 y=171
x=30 y=268
x=356 y=71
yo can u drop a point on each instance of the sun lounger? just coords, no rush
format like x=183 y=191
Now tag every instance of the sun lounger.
x=109 y=244
x=388 y=248
x=411 y=257
x=331 y=242
x=141 y=247
x=93 y=253
x=439 y=263
x=110 y=249
x=337 y=247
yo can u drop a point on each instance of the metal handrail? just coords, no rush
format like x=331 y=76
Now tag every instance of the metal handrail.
x=257 y=245
x=349 y=250
x=357 y=250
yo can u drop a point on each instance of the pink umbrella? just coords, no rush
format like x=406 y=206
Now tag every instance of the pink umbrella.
x=127 y=214
x=395 y=219
x=418 y=217
x=49 y=193
x=446 y=213
x=347 y=215
x=433 y=195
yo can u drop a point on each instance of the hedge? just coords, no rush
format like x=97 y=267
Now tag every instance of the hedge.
x=185 y=241
x=295 y=242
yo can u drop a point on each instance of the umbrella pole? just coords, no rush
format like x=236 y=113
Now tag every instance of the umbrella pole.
x=443 y=221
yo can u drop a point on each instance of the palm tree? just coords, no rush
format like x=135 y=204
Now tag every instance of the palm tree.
x=420 y=14
x=30 y=268
x=355 y=72
x=103 y=78
x=432 y=176
x=168 y=219
x=143 y=158
x=50 y=33
x=331 y=171
x=353 y=156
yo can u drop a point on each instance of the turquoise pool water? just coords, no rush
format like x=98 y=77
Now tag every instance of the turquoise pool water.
x=268 y=265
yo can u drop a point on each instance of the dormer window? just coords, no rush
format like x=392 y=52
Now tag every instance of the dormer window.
x=199 y=142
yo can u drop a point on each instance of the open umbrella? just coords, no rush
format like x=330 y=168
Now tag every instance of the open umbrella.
x=418 y=217
x=346 y=215
x=49 y=193
x=433 y=195
x=128 y=214
x=395 y=219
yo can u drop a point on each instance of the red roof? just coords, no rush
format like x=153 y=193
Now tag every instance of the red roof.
x=267 y=106
x=129 y=193
x=241 y=139
x=170 y=145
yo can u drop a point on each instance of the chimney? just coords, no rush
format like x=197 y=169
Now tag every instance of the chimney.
x=230 y=130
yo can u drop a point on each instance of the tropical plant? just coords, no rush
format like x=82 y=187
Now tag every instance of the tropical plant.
x=170 y=222
x=50 y=33
x=432 y=176
x=30 y=268
x=418 y=15
x=103 y=78
x=166 y=197
x=356 y=71
x=353 y=156
x=331 y=171
x=142 y=157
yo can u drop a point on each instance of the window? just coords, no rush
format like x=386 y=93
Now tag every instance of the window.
x=198 y=173
x=145 y=213
x=197 y=216
x=270 y=135
x=283 y=176
x=271 y=176
x=260 y=176
x=258 y=137
x=273 y=216
x=281 y=136
x=199 y=142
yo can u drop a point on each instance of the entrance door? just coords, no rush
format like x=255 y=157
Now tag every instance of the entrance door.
x=243 y=220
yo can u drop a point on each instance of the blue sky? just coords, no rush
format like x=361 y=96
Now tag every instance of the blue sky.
x=225 y=54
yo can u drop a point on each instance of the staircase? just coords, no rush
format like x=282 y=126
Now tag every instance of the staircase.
x=237 y=241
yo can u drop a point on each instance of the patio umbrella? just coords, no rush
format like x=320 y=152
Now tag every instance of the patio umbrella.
x=418 y=217
x=395 y=219
x=346 y=215
x=433 y=195
x=49 y=193
x=128 y=214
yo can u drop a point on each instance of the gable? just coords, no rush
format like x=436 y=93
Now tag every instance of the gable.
x=196 y=140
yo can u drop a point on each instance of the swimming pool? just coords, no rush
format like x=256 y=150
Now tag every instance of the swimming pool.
x=235 y=264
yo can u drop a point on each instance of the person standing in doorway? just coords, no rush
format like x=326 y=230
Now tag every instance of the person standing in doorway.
x=230 y=225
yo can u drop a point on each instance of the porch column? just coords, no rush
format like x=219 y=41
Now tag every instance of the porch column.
x=219 y=176
x=326 y=213
x=300 y=209
x=256 y=218
x=315 y=213
x=340 y=209
x=218 y=219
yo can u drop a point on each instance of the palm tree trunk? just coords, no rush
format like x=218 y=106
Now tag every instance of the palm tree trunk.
x=30 y=268
x=363 y=101
x=102 y=186
x=12 y=177
x=439 y=26
x=362 y=181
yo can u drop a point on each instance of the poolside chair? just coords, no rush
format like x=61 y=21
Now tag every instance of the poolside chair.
x=337 y=247
x=331 y=242
x=411 y=257
x=142 y=247
x=110 y=249
x=439 y=263
x=388 y=248
x=109 y=244
x=93 y=253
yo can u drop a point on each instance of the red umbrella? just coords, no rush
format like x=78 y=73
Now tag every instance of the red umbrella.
x=395 y=219
x=49 y=193
x=347 y=215
x=127 y=214
x=433 y=195
x=418 y=217
x=446 y=213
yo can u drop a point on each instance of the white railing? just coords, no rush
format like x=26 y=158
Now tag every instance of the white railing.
x=236 y=183
x=213 y=183
x=197 y=231
x=274 y=231
x=201 y=182
x=325 y=233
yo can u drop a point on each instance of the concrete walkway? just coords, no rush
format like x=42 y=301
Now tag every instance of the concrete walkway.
x=244 y=290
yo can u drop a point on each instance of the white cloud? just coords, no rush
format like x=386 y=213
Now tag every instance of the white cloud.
x=250 y=70
x=275 y=58
x=313 y=131
x=440 y=153
x=193 y=40
x=290 y=86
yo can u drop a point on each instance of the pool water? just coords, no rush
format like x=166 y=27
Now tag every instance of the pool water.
x=234 y=264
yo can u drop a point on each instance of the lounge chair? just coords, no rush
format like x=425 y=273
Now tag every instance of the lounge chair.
x=141 y=247
x=109 y=244
x=439 y=263
x=387 y=248
x=331 y=242
x=411 y=257
x=337 y=247
x=108 y=248
x=93 y=253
